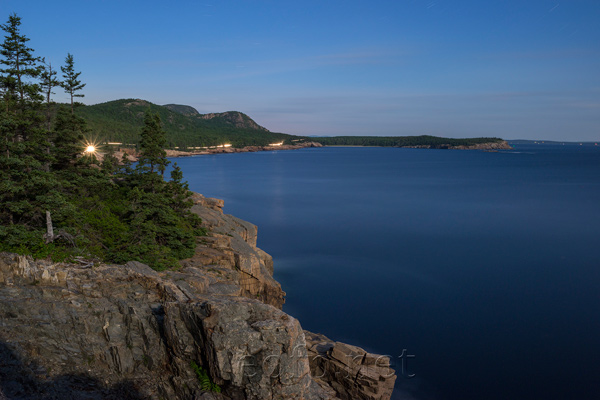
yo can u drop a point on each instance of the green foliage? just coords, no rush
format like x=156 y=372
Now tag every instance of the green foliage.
x=401 y=141
x=71 y=82
x=153 y=157
x=68 y=137
x=206 y=383
x=110 y=212
x=19 y=63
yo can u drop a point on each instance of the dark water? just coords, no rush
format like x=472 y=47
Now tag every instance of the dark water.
x=484 y=266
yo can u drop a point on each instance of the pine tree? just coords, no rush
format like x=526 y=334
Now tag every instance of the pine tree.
x=71 y=83
x=20 y=64
x=179 y=193
x=69 y=131
x=48 y=82
x=110 y=162
x=27 y=189
x=153 y=157
x=21 y=95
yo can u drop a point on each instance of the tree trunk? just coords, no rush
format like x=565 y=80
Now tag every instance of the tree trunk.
x=50 y=233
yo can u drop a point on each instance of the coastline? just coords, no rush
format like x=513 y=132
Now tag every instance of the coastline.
x=133 y=156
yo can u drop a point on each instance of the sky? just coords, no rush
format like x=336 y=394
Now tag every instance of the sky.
x=516 y=69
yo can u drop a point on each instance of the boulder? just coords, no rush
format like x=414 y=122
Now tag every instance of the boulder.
x=350 y=371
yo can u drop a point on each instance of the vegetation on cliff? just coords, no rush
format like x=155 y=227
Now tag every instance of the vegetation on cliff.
x=57 y=201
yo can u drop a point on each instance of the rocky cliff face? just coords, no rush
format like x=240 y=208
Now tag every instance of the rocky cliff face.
x=96 y=331
x=235 y=118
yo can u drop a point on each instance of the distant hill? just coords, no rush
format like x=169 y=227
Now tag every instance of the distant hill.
x=181 y=109
x=121 y=121
x=235 y=118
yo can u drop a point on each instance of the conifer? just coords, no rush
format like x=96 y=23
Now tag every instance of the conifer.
x=71 y=82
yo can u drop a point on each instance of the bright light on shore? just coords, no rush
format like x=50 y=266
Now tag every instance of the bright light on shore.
x=276 y=144
x=90 y=148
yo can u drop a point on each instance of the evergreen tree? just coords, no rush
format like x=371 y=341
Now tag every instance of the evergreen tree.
x=27 y=190
x=48 y=82
x=153 y=157
x=110 y=162
x=69 y=131
x=19 y=63
x=21 y=96
x=71 y=83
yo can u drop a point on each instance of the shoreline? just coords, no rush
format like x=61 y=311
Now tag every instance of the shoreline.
x=132 y=154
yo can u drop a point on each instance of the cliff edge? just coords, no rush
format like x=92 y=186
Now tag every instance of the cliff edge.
x=97 y=331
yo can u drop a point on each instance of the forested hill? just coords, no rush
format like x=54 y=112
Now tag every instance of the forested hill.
x=121 y=121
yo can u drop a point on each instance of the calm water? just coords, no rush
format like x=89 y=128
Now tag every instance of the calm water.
x=484 y=266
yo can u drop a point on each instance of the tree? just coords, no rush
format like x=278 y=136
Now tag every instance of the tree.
x=48 y=82
x=69 y=131
x=153 y=156
x=71 y=83
x=26 y=190
x=110 y=162
x=19 y=62
x=20 y=95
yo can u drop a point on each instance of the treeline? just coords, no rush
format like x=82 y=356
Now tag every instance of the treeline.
x=401 y=141
x=121 y=120
x=59 y=202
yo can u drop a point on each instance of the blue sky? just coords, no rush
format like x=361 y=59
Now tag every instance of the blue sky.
x=514 y=69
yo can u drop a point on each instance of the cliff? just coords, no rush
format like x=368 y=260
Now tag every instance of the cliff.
x=95 y=331
x=235 y=118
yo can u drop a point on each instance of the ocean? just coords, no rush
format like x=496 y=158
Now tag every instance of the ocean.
x=477 y=272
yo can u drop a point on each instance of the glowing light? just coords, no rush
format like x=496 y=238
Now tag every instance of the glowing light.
x=90 y=148
x=276 y=144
